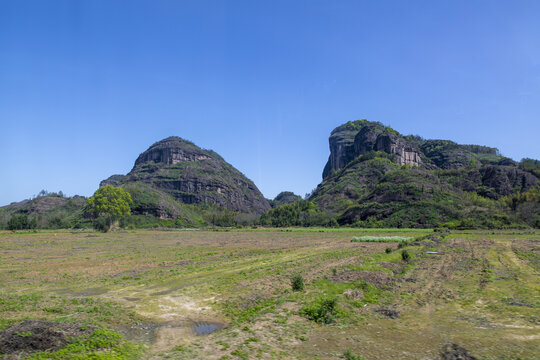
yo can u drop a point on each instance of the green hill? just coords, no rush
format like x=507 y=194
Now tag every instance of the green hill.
x=377 y=177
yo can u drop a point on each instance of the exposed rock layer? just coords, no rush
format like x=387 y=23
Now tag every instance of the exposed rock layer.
x=359 y=137
x=193 y=175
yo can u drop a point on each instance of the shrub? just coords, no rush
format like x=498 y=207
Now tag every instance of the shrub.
x=349 y=355
x=322 y=311
x=297 y=283
x=101 y=224
x=388 y=250
x=405 y=255
x=402 y=244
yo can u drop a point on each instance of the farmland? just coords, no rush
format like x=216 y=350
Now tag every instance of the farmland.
x=164 y=290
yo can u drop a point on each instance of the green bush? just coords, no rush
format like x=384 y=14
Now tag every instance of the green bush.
x=349 y=355
x=297 y=283
x=101 y=224
x=405 y=255
x=388 y=250
x=322 y=311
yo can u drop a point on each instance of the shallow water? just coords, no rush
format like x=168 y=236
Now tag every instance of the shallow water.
x=148 y=332
x=206 y=328
x=84 y=292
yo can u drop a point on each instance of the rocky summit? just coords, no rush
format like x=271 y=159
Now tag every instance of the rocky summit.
x=355 y=138
x=192 y=175
x=377 y=177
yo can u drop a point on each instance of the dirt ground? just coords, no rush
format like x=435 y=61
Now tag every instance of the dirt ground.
x=35 y=335
x=473 y=294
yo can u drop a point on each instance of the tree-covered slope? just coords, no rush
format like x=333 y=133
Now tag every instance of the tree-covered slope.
x=47 y=210
x=377 y=177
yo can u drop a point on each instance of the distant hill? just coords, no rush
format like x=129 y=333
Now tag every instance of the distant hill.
x=376 y=176
x=49 y=210
x=284 y=197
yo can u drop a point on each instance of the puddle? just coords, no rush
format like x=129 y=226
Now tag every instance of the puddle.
x=205 y=328
x=132 y=298
x=150 y=332
x=84 y=292
x=141 y=333
x=164 y=292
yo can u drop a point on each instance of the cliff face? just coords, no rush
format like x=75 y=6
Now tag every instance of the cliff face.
x=359 y=137
x=341 y=147
x=192 y=175
x=364 y=180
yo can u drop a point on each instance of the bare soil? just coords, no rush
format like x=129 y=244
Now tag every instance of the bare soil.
x=38 y=335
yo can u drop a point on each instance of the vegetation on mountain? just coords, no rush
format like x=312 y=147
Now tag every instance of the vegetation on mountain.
x=374 y=177
x=366 y=184
x=45 y=211
x=284 y=197
x=299 y=213
x=192 y=175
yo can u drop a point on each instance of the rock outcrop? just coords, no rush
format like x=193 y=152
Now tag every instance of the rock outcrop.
x=192 y=175
x=365 y=182
x=359 y=137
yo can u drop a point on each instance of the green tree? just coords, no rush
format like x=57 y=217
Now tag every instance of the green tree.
x=109 y=203
x=21 y=222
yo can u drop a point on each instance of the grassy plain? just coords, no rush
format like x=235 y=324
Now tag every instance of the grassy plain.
x=479 y=289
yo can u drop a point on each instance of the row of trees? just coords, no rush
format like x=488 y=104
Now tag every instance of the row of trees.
x=110 y=207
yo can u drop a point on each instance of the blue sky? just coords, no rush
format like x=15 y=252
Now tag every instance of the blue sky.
x=85 y=86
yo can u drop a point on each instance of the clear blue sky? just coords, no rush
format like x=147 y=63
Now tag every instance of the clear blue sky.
x=85 y=86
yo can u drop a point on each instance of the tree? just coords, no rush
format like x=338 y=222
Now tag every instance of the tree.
x=21 y=222
x=110 y=203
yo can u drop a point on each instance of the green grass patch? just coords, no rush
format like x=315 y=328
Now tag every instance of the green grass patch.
x=240 y=311
x=368 y=238
x=100 y=345
x=322 y=310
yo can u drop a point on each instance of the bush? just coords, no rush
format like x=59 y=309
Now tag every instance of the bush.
x=349 y=355
x=405 y=255
x=101 y=224
x=388 y=250
x=322 y=311
x=297 y=283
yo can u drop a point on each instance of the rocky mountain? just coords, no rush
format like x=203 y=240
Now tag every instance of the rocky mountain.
x=355 y=138
x=190 y=175
x=375 y=175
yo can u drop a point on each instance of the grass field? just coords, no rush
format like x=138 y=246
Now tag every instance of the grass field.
x=478 y=289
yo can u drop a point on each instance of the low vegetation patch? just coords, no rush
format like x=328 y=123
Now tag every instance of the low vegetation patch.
x=56 y=340
x=381 y=239
x=297 y=283
x=322 y=311
x=349 y=355
x=99 y=345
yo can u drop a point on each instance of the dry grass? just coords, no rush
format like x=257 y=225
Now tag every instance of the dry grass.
x=480 y=290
